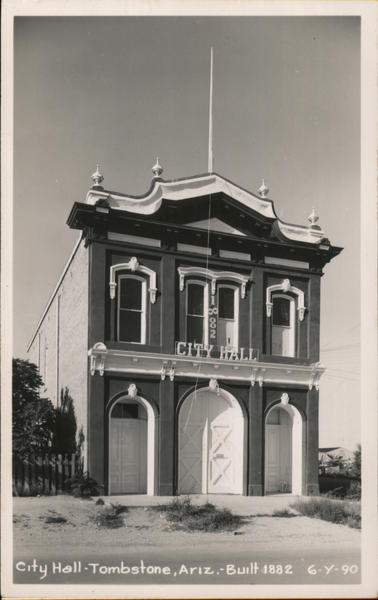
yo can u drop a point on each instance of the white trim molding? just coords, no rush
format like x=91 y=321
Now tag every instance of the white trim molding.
x=133 y=265
x=285 y=286
x=213 y=276
x=202 y=368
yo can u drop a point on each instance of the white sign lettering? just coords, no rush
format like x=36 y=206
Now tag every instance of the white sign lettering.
x=211 y=351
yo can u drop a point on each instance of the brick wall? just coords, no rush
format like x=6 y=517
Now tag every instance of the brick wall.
x=60 y=344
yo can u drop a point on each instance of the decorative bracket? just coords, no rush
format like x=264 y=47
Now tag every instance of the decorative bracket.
x=168 y=368
x=285 y=286
x=172 y=373
x=257 y=375
x=316 y=374
x=133 y=265
x=213 y=276
x=254 y=376
x=97 y=357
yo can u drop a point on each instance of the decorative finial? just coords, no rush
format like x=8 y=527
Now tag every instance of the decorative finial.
x=263 y=189
x=97 y=177
x=313 y=218
x=157 y=169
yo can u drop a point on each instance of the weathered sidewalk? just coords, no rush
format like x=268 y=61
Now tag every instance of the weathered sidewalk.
x=241 y=505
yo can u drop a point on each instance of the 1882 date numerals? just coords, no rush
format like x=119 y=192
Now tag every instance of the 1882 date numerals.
x=277 y=569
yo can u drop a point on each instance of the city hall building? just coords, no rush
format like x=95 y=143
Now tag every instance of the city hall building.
x=186 y=328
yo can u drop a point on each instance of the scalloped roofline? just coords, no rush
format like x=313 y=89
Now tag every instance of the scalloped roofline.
x=176 y=190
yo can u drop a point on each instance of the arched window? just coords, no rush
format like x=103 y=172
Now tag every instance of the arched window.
x=197 y=312
x=283 y=325
x=228 y=316
x=131 y=309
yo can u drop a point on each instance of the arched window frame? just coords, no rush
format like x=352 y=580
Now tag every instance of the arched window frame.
x=205 y=286
x=129 y=276
x=236 y=291
x=133 y=265
x=286 y=287
x=291 y=327
x=213 y=277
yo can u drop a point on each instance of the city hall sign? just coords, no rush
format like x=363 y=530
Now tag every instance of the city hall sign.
x=211 y=351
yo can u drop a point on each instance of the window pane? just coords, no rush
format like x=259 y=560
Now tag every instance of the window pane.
x=194 y=330
x=129 y=326
x=125 y=411
x=131 y=294
x=195 y=299
x=281 y=311
x=226 y=303
x=226 y=333
x=282 y=341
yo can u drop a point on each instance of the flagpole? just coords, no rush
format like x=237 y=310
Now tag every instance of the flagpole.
x=210 y=153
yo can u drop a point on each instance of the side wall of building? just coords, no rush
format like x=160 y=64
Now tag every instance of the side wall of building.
x=60 y=344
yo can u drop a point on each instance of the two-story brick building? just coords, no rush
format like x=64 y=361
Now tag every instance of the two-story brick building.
x=186 y=327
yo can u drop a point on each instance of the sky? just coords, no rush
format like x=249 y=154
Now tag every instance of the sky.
x=121 y=91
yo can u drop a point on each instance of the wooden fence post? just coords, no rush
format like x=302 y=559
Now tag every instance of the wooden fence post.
x=60 y=476
x=52 y=474
x=43 y=474
x=39 y=474
x=33 y=479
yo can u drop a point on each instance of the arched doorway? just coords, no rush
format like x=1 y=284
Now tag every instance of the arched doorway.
x=131 y=447
x=211 y=444
x=284 y=450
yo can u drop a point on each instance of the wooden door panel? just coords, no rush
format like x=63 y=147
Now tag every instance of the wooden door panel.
x=128 y=456
x=272 y=458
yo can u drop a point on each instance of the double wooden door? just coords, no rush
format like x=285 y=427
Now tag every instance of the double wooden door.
x=210 y=445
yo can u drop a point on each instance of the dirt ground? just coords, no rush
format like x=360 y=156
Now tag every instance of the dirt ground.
x=150 y=528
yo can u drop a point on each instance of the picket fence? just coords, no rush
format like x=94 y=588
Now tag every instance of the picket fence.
x=45 y=474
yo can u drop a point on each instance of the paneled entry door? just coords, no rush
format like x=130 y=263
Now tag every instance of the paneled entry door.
x=272 y=458
x=210 y=445
x=128 y=456
x=278 y=451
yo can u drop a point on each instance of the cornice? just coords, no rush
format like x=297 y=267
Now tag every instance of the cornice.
x=108 y=360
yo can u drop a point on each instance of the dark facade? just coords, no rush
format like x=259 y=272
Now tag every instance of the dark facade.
x=203 y=340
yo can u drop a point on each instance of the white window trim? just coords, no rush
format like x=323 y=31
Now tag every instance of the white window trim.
x=133 y=265
x=236 y=310
x=290 y=327
x=285 y=286
x=213 y=276
x=142 y=311
x=205 y=287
